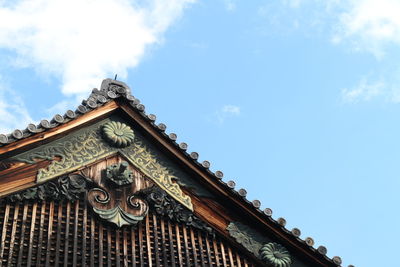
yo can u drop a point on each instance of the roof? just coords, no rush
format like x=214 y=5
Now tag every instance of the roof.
x=112 y=90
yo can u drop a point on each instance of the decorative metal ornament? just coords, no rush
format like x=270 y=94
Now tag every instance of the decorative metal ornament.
x=110 y=203
x=110 y=207
x=119 y=174
x=118 y=134
x=87 y=146
x=275 y=254
x=116 y=204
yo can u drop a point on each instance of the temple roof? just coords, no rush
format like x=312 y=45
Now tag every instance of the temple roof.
x=115 y=90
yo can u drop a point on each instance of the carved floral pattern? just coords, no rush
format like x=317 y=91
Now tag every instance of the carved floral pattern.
x=86 y=146
x=147 y=162
x=69 y=187
x=246 y=236
x=275 y=254
x=108 y=203
x=118 y=134
x=73 y=152
x=162 y=204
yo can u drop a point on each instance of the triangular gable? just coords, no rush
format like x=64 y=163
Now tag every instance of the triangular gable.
x=113 y=123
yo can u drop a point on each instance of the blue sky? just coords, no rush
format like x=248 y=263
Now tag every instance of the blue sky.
x=297 y=101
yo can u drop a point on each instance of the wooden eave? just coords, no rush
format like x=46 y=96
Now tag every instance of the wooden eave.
x=127 y=107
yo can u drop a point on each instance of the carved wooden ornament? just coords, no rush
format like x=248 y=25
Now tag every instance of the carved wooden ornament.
x=98 y=141
x=114 y=199
x=125 y=204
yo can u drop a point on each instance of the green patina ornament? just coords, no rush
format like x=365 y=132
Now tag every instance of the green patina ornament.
x=118 y=216
x=108 y=206
x=275 y=254
x=88 y=145
x=118 y=134
x=119 y=173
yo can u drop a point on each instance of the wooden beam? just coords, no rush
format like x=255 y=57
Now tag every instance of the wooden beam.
x=51 y=134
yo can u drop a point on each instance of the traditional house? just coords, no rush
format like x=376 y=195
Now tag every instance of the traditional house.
x=105 y=185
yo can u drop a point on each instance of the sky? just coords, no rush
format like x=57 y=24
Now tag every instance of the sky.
x=298 y=101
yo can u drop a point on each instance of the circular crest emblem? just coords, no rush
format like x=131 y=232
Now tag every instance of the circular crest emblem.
x=275 y=254
x=118 y=134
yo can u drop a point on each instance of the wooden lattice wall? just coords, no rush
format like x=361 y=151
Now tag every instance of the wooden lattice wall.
x=68 y=234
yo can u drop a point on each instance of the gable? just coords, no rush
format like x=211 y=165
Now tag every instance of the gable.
x=110 y=128
x=59 y=223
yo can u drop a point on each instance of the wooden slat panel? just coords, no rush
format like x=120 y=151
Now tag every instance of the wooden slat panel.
x=66 y=244
x=49 y=233
x=59 y=235
x=208 y=249
x=231 y=261
x=3 y=233
x=148 y=246
x=238 y=260
x=178 y=242
x=216 y=252
x=134 y=244
x=75 y=242
x=125 y=246
x=193 y=247
x=92 y=241
x=186 y=246
x=163 y=242
x=117 y=248
x=171 y=244
x=22 y=240
x=58 y=238
x=84 y=233
x=201 y=245
x=31 y=234
x=108 y=245
x=41 y=227
x=156 y=252
x=141 y=250
x=14 y=227
x=223 y=254
x=101 y=245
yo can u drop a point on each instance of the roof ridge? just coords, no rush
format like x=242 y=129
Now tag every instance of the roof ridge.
x=112 y=89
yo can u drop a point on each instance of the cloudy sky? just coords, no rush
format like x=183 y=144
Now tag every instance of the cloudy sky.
x=295 y=100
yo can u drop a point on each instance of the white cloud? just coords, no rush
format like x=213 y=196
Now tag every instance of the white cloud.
x=13 y=113
x=364 y=91
x=293 y=3
x=84 y=41
x=230 y=5
x=369 y=24
x=227 y=111
x=231 y=109
x=365 y=25
x=63 y=106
